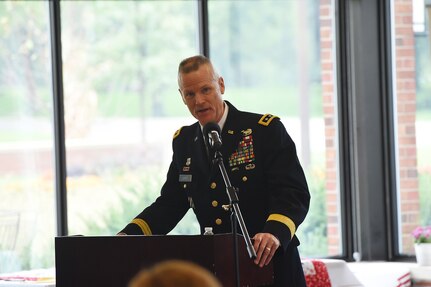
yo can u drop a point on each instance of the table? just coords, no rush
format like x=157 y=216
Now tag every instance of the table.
x=421 y=276
x=378 y=274
x=341 y=274
x=33 y=278
x=338 y=271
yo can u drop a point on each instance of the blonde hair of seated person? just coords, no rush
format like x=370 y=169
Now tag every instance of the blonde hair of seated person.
x=175 y=273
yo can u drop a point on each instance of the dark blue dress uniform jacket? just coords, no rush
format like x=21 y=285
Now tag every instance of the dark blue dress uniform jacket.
x=260 y=158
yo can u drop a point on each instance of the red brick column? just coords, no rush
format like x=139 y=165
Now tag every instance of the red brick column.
x=329 y=112
x=406 y=117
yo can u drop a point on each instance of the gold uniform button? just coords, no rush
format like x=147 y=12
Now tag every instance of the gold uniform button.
x=213 y=185
x=214 y=203
x=244 y=178
x=185 y=185
x=218 y=221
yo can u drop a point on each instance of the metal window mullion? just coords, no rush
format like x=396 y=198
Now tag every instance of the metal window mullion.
x=389 y=158
x=59 y=127
x=349 y=240
x=203 y=28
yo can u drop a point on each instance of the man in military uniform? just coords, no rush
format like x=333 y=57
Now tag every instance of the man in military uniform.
x=261 y=161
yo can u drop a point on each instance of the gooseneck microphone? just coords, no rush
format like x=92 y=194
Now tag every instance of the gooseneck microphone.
x=212 y=131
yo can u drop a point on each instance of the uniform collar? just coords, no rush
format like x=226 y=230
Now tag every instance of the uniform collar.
x=224 y=117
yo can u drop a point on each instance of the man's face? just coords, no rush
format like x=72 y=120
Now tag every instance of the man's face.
x=202 y=92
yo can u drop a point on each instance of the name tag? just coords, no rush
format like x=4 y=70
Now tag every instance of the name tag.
x=185 y=178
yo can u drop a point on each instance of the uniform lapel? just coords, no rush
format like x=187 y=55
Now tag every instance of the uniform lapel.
x=199 y=152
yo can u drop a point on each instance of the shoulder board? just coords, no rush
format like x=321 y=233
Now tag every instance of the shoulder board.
x=266 y=119
x=177 y=133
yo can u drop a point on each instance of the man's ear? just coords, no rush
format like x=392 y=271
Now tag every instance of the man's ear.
x=182 y=97
x=221 y=84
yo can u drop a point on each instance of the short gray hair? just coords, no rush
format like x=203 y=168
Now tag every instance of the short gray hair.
x=193 y=64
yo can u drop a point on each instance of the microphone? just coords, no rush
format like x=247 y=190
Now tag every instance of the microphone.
x=212 y=131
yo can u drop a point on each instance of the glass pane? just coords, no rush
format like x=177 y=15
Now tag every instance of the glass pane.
x=412 y=85
x=122 y=105
x=277 y=57
x=27 y=210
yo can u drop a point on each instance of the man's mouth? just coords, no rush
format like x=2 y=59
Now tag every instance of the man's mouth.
x=201 y=111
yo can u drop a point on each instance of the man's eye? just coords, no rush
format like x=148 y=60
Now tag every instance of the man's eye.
x=206 y=90
x=189 y=95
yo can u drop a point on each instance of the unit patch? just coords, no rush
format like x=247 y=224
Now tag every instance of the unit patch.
x=177 y=133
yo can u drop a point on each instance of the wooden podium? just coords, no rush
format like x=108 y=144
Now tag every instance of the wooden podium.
x=113 y=260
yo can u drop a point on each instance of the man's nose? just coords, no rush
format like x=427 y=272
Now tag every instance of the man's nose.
x=199 y=98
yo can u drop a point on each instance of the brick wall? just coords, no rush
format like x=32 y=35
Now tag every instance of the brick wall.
x=406 y=116
x=329 y=103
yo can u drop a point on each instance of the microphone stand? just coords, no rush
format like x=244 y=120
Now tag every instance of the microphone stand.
x=236 y=216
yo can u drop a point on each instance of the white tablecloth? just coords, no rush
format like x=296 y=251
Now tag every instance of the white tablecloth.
x=382 y=274
x=368 y=274
x=340 y=274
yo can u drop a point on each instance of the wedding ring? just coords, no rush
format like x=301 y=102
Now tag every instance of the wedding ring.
x=267 y=248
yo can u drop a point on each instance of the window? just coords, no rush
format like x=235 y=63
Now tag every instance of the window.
x=122 y=106
x=27 y=219
x=277 y=57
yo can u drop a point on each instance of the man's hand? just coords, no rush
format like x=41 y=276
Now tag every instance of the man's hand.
x=265 y=245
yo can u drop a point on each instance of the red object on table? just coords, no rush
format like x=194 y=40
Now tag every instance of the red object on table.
x=316 y=273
